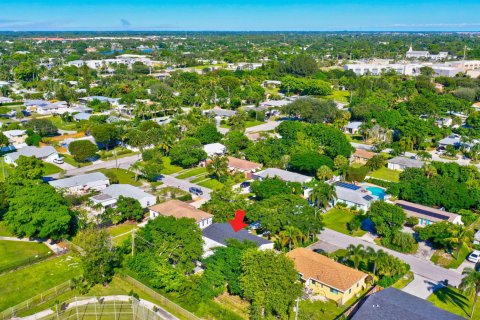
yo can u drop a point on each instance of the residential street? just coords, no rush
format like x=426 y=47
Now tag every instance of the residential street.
x=171 y=181
x=421 y=267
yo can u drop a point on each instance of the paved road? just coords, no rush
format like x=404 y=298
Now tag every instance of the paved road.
x=418 y=266
x=123 y=163
x=185 y=185
x=268 y=126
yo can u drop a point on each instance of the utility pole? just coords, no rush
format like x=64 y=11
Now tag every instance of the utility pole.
x=296 y=309
x=133 y=242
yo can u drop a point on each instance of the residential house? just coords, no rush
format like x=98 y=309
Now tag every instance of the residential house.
x=402 y=163
x=353 y=196
x=428 y=215
x=326 y=277
x=361 y=156
x=5 y=100
x=16 y=137
x=353 y=127
x=110 y=195
x=454 y=140
x=83 y=183
x=112 y=101
x=82 y=116
x=444 y=122
x=281 y=174
x=47 y=154
x=217 y=235
x=244 y=166
x=394 y=304
x=180 y=209
x=215 y=149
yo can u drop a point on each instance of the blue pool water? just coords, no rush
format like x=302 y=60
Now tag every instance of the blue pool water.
x=376 y=191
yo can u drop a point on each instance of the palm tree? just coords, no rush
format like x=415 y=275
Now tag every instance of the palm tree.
x=471 y=285
x=373 y=256
x=135 y=167
x=459 y=237
x=356 y=254
x=291 y=235
x=324 y=173
x=218 y=167
x=430 y=170
x=321 y=196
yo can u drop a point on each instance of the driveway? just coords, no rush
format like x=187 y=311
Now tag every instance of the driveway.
x=418 y=266
x=269 y=126
x=422 y=287
x=185 y=185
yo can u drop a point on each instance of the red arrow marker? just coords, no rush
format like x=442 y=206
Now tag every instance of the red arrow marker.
x=237 y=223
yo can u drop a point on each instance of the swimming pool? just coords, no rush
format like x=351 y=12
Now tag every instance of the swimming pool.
x=378 y=192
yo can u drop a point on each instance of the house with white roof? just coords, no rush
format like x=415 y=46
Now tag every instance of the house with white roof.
x=47 y=154
x=353 y=127
x=353 y=196
x=109 y=196
x=95 y=181
x=16 y=137
x=214 y=149
x=281 y=174
x=402 y=163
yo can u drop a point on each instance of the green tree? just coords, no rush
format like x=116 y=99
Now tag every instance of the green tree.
x=97 y=255
x=270 y=282
x=218 y=167
x=387 y=218
x=105 y=134
x=268 y=188
x=356 y=254
x=82 y=150
x=207 y=133
x=128 y=209
x=187 y=152
x=291 y=236
x=43 y=127
x=309 y=162
x=324 y=173
x=236 y=141
x=151 y=170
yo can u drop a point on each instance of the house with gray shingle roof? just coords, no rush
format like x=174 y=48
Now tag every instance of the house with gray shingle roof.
x=47 y=154
x=402 y=163
x=281 y=174
x=82 y=183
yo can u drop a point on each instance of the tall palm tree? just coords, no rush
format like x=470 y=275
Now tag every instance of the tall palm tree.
x=291 y=235
x=471 y=285
x=430 y=170
x=218 y=167
x=324 y=173
x=356 y=254
x=373 y=256
x=135 y=167
x=321 y=196
x=459 y=237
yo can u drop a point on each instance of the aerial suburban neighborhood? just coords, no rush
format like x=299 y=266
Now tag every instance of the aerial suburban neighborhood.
x=238 y=175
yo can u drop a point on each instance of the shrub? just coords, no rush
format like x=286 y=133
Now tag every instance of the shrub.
x=357 y=174
x=386 y=282
x=412 y=221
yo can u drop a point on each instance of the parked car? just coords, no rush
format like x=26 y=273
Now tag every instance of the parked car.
x=195 y=191
x=245 y=184
x=474 y=256
x=58 y=160
x=255 y=225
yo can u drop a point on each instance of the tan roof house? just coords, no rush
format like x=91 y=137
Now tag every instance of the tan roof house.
x=245 y=166
x=180 y=209
x=362 y=156
x=326 y=277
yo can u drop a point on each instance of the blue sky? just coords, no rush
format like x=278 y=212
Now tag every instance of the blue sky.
x=246 y=15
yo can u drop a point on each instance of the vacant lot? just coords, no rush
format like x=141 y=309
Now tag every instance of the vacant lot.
x=20 y=285
x=337 y=219
x=17 y=253
x=386 y=174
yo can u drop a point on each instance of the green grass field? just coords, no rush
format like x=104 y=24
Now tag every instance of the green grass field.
x=4 y=231
x=168 y=167
x=339 y=95
x=455 y=301
x=337 y=219
x=60 y=124
x=17 y=253
x=20 y=285
x=50 y=168
x=124 y=176
x=386 y=174
x=211 y=184
x=192 y=172
x=121 y=232
x=450 y=261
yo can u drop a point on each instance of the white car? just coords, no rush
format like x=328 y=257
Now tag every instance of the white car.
x=474 y=256
x=58 y=160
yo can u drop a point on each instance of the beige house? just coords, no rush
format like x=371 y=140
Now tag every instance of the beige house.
x=180 y=209
x=361 y=156
x=324 y=276
x=244 y=166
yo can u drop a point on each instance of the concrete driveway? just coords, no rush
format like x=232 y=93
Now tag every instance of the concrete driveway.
x=422 y=287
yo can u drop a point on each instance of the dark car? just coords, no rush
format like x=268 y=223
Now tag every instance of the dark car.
x=245 y=184
x=195 y=191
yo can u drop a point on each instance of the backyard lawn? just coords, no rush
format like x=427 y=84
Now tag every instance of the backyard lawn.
x=69 y=159
x=386 y=174
x=337 y=219
x=192 y=172
x=62 y=125
x=26 y=283
x=455 y=301
x=121 y=232
x=339 y=95
x=123 y=176
x=16 y=253
x=168 y=167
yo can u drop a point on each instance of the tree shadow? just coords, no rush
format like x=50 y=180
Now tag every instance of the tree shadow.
x=448 y=295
